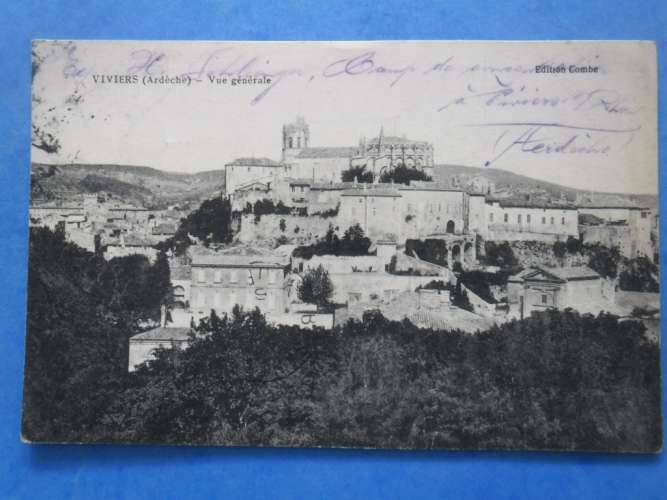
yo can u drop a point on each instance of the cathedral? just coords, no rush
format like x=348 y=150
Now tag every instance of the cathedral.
x=326 y=164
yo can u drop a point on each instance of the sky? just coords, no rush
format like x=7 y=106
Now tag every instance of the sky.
x=479 y=103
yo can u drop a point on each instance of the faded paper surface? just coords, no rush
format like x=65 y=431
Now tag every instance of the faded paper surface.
x=401 y=244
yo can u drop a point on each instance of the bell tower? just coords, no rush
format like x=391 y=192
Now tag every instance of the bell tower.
x=296 y=136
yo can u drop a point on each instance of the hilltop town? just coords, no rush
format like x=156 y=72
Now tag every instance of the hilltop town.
x=324 y=234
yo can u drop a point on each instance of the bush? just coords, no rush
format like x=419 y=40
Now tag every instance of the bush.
x=478 y=282
x=603 y=260
x=353 y=242
x=359 y=173
x=499 y=254
x=640 y=275
x=403 y=175
x=316 y=287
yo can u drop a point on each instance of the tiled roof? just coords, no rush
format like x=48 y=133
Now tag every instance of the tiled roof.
x=240 y=257
x=176 y=334
x=572 y=272
x=569 y=273
x=530 y=203
x=332 y=186
x=590 y=220
x=393 y=139
x=327 y=152
x=429 y=186
x=372 y=192
x=254 y=162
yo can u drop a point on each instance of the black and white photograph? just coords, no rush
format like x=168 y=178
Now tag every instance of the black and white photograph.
x=397 y=244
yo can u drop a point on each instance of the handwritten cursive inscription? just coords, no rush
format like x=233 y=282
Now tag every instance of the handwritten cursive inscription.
x=557 y=138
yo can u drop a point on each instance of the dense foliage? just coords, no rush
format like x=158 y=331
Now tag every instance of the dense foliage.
x=266 y=206
x=499 y=254
x=556 y=380
x=210 y=223
x=316 y=287
x=403 y=175
x=640 y=275
x=81 y=311
x=358 y=173
x=353 y=242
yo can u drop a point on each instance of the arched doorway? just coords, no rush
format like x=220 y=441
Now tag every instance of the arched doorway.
x=450 y=227
x=456 y=254
x=468 y=254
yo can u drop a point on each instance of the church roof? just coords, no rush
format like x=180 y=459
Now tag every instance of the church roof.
x=327 y=152
x=254 y=162
x=394 y=139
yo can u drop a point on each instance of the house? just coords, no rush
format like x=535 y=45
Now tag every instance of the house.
x=240 y=275
x=142 y=347
x=543 y=288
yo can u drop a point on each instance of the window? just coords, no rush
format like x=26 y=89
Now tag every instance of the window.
x=518 y=219
x=562 y=221
x=528 y=218
x=294 y=189
x=505 y=218
x=544 y=220
x=490 y=217
x=544 y=299
x=233 y=277
x=201 y=276
x=272 y=277
x=217 y=278
x=552 y=221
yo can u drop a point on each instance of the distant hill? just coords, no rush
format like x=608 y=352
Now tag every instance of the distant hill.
x=144 y=186
x=155 y=188
x=520 y=184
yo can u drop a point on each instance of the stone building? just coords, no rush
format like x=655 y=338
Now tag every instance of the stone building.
x=384 y=153
x=239 y=275
x=541 y=288
x=526 y=220
x=326 y=164
x=244 y=171
x=629 y=228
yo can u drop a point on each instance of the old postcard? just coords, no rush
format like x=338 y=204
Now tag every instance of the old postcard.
x=411 y=245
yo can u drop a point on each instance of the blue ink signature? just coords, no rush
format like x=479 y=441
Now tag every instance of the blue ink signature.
x=531 y=137
x=365 y=64
x=506 y=95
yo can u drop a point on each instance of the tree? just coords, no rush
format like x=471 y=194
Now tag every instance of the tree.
x=403 y=175
x=211 y=223
x=282 y=225
x=316 y=287
x=354 y=241
x=358 y=173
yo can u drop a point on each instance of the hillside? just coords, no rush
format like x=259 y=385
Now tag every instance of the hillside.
x=155 y=188
x=137 y=185
x=520 y=184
